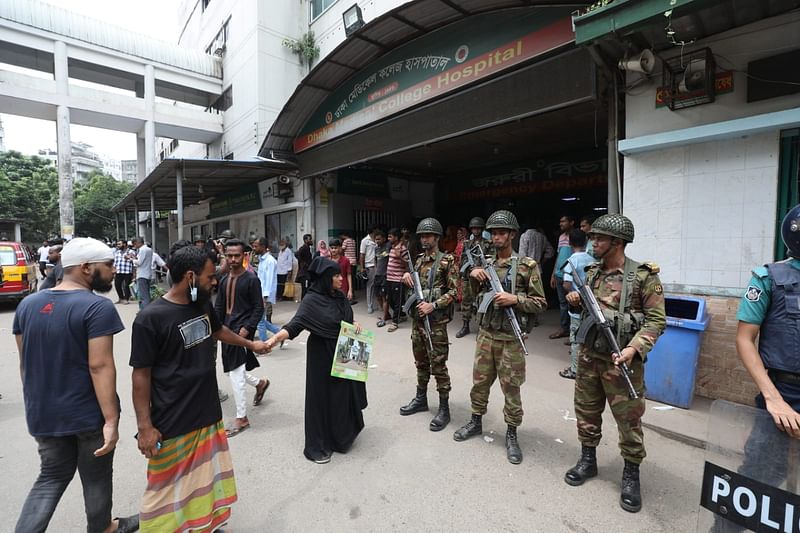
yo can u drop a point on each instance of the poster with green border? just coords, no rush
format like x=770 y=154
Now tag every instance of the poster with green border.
x=352 y=353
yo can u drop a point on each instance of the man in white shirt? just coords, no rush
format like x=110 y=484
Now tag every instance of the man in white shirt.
x=268 y=276
x=43 y=250
x=144 y=270
x=367 y=262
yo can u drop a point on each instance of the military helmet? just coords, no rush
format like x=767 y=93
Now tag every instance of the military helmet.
x=790 y=231
x=502 y=219
x=227 y=234
x=429 y=225
x=198 y=238
x=614 y=225
x=476 y=222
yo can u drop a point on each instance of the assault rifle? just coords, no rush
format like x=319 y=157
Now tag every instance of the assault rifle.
x=600 y=321
x=495 y=287
x=418 y=297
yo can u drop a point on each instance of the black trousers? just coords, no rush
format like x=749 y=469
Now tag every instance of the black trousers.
x=122 y=284
x=395 y=292
x=281 y=286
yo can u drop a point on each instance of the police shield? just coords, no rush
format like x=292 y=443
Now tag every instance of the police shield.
x=751 y=473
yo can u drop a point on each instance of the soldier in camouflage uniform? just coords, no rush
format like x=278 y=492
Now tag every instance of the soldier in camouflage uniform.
x=438 y=277
x=498 y=353
x=631 y=296
x=471 y=287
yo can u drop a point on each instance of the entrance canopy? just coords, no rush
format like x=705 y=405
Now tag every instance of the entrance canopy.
x=315 y=114
x=175 y=183
x=197 y=180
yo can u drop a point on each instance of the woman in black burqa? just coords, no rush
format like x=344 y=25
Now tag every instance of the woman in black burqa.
x=333 y=416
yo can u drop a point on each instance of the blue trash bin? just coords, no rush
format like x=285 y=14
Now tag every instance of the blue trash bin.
x=671 y=366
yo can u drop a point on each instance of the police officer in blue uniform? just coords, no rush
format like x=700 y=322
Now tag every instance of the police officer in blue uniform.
x=770 y=312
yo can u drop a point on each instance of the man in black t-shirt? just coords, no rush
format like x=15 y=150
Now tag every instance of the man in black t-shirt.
x=175 y=398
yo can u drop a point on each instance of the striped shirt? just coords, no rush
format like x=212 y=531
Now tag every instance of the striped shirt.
x=123 y=266
x=349 y=251
x=397 y=266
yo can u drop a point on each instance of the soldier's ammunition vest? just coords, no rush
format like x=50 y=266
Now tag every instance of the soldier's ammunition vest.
x=495 y=317
x=625 y=321
x=434 y=284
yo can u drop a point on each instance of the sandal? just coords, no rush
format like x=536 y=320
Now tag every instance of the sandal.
x=560 y=334
x=127 y=524
x=235 y=430
x=260 y=392
x=567 y=373
x=381 y=323
x=393 y=327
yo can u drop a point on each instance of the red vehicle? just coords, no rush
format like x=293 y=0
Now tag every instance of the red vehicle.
x=18 y=271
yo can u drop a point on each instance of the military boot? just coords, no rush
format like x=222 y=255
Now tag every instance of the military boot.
x=630 y=497
x=513 y=451
x=417 y=404
x=585 y=469
x=464 y=331
x=470 y=429
x=442 y=418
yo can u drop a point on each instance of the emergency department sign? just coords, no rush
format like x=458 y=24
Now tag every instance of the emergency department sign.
x=434 y=65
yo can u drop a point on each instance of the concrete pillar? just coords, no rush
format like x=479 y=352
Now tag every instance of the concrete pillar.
x=141 y=172
x=17 y=232
x=61 y=68
x=63 y=142
x=125 y=222
x=64 y=147
x=149 y=90
x=116 y=223
x=149 y=147
x=613 y=156
x=179 y=192
x=153 y=219
x=136 y=231
x=150 y=113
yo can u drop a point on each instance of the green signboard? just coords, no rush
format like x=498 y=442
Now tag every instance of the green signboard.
x=362 y=183
x=436 y=64
x=243 y=199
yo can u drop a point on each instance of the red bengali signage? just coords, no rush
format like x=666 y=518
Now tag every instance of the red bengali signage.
x=390 y=98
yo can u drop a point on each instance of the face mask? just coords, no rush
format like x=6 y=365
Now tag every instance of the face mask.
x=193 y=291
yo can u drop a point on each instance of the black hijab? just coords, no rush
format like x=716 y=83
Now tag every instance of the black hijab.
x=323 y=309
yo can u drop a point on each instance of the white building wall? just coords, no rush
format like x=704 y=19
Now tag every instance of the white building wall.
x=261 y=71
x=706 y=212
x=328 y=28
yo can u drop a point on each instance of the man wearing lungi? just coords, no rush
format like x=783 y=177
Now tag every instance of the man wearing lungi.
x=190 y=481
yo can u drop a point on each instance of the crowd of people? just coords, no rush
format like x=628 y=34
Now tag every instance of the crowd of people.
x=224 y=291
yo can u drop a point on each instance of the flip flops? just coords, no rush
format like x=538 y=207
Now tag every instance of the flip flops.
x=393 y=327
x=560 y=334
x=260 y=393
x=381 y=323
x=235 y=430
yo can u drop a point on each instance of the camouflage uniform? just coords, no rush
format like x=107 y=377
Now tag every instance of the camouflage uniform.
x=443 y=293
x=598 y=379
x=498 y=353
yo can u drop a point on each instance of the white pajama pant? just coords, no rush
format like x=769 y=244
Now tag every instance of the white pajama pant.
x=239 y=379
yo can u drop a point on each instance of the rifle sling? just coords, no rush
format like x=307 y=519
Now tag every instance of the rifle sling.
x=625 y=296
